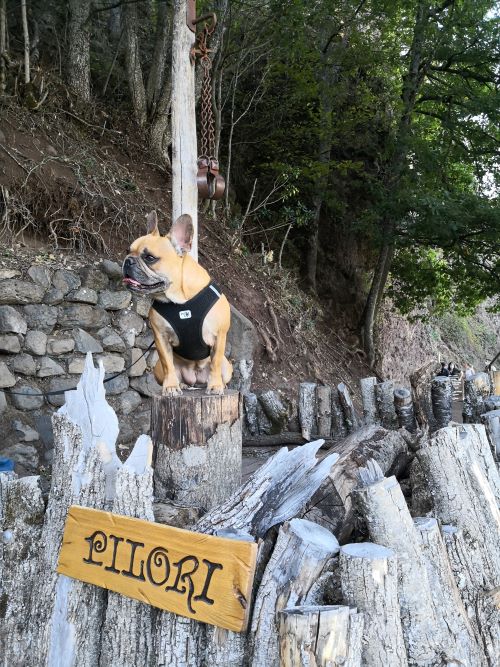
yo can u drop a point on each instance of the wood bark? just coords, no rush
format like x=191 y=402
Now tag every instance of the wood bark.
x=302 y=552
x=197 y=443
x=463 y=647
x=184 y=146
x=370 y=414
x=474 y=437
x=491 y=421
x=332 y=505
x=324 y=411
x=78 y=66
x=339 y=426
x=420 y=382
x=26 y=38
x=21 y=518
x=350 y=417
x=476 y=390
x=3 y=49
x=483 y=606
x=442 y=399
x=369 y=581
x=127 y=633
x=382 y=504
x=250 y=403
x=316 y=636
x=307 y=409
x=404 y=408
x=275 y=409
x=133 y=60
x=384 y=392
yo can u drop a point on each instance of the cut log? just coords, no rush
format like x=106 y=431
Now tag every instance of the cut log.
x=250 y=403
x=421 y=498
x=21 y=518
x=183 y=117
x=483 y=606
x=197 y=447
x=275 y=410
x=463 y=498
x=420 y=382
x=350 y=417
x=307 y=409
x=476 y=390
x=370 y=413
x=491 y=421
x=384 y=393
x=474 y=437
x=463 y=648
x=320 y=636
x=339 y=426
x=324 y=417
x=382 y=505
x=369 y=581
x=441 y=397
x=302 y=552
x=403 y=405
x=127 y=633
x=332 y=506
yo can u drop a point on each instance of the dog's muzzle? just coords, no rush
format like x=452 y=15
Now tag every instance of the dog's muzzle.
x=137 y=280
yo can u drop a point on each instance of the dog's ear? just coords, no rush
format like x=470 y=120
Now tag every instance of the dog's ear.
x=181 y=234
x=152 y=224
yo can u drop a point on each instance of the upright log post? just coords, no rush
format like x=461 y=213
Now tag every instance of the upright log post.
x=197 y=447
x=475 y=391
x=370 y=415
x=441 y=397
x=491 y=421
x=403 y=404
x=307 y=409
x=384 y=393
x=324 y=403
x=184 y=146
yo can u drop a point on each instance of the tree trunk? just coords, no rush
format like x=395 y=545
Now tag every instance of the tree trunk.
x=307 y=409
x=3 y=48
x=184 y=146
x=133 y=60
x=384 y=393
x=320 y=637
x=197 y=444
x=420 y=382
x=369 y=581
x=302 y=552
x=463 y=648
x=26 y=38
x=370 y=414
x=78 y=72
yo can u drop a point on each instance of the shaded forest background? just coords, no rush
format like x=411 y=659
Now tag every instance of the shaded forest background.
x=359 y=140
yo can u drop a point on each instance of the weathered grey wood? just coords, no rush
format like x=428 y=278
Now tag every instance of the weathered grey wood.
x=420 y=382
x=127 y=633
x=483 y=607
x=184 y=146
x=441 y=397
x=463 y=647
x=339 y=426
x=370 y=413
x=382 y=504
x=476 y=390
x=384 y=393
x=307 y=409
x=491 y=421
x=324 y=410
x=197 y=447
x=275 y=409
x=315 y=636
x=474 y=437
x=302 y=551
x=421 y=498
x=463 y=498
x=250 y=404
x=350 y=417
x=369 y=581
x=403 y=405
x=21 y=518
x=332 y=505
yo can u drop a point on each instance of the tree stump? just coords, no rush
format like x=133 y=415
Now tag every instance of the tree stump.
x=369 y=581
x=491 y=421
x=442 y=398
x=320 y=636
x=197 y=447
x=324 y=402
x=275 y=410
x=307 y=409
x=370 y=413
x=476 y=390
x=339 y=426
x=384 y=393
x=403 y=404
x=350 y=417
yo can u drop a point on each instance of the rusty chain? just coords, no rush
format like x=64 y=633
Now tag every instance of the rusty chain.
x=207 y=132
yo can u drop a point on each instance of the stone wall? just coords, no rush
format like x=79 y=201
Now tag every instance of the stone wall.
x=49 y=320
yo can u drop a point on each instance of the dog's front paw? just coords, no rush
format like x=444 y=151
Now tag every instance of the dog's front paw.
x=215 y=389
x=171 y=391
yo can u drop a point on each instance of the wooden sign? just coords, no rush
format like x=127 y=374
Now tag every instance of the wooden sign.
x=192 y=574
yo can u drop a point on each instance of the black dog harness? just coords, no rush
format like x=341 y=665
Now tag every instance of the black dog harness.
x=186 y=319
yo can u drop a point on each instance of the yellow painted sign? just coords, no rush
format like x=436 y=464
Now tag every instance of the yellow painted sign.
x=192 y=574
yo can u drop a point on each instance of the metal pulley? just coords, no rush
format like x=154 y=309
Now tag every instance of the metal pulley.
x=211 y=184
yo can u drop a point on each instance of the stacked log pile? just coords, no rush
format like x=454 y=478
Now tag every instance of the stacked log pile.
x=347 y=574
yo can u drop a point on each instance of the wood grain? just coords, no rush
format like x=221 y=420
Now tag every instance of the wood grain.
x=199 y=576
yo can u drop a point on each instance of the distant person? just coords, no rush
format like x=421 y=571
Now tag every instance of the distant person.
x=453 y=371
x=469 y=371
x=443 y=371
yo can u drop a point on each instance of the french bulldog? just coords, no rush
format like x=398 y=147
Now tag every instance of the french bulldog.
x=162 y=267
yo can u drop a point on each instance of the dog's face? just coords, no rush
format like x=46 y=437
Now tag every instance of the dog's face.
x=154 y=262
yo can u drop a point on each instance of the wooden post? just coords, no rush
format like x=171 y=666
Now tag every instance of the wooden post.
x=475 y=391
x=404 y=408
x=442 y=397
x=384 y=393
x=370 y=414
x=307 y=409
x=184 y=146
x=197 y=447
x=324 y=403
x=491 y=421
